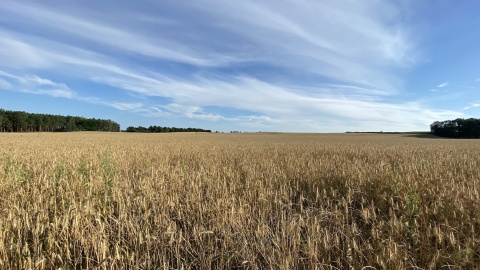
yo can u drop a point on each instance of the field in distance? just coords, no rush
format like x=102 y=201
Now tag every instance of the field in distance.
x=220 y=201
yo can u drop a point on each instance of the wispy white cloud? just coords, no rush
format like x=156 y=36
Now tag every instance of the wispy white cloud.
x=94 y=29
x=445 y=84
x=210 y=53
x=285 y=105
x=319 y=38
x=278 y=106
x=305 y=35
x=126 y=106
x=471 y=106
x=199 y=113
x=4 y=84
x=36 y=85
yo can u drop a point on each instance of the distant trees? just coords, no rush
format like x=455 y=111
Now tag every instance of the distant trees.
x=458 y=128
x=158 y=129
x=17 y=121
x=2 y=119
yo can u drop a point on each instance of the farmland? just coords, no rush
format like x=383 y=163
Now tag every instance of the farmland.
x=246 y=201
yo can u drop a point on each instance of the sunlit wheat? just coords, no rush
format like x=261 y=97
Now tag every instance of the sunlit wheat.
x=253 y=201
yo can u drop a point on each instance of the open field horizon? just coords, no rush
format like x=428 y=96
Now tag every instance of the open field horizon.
x=246 y=201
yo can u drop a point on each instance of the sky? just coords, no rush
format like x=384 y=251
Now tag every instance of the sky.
x=269 y=65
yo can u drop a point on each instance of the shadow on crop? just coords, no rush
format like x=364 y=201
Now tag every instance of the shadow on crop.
x=426 y=136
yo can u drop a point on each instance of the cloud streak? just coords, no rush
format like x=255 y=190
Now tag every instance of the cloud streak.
x=442 y=85
x=35 y=85
x=471 y=106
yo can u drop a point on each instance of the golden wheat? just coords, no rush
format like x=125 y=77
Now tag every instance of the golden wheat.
x=253 y=201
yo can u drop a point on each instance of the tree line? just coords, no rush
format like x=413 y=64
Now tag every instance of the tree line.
x=19 y=121
x=458 y=128
x=158 y=129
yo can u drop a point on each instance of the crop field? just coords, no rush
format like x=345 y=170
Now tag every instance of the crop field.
x=90 y=200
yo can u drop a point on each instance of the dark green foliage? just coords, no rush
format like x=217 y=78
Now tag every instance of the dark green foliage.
x=157 y=129
x=16 y=121
x=458 y=128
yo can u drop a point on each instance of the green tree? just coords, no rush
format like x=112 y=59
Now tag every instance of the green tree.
x=30 y=122
x=3 y=118
x=38 y=122
x=19 y=121
x=70 y=124
x=458 y=128
x=16 y=121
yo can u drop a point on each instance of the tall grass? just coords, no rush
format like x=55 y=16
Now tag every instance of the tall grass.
x=253 y=201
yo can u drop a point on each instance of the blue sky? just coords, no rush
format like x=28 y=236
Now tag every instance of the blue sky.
x=294 y=66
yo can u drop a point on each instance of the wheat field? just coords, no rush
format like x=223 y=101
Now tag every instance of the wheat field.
x=238 y=201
